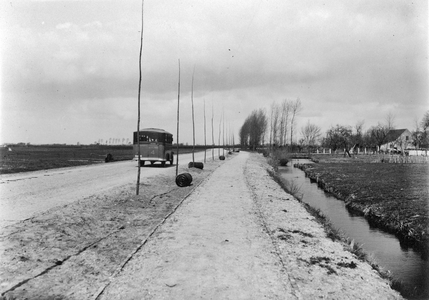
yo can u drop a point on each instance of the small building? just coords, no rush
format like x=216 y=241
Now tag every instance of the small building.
x=397 y=140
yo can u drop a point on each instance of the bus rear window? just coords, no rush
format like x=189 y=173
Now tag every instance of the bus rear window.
x=153 y=137
x=148 y=138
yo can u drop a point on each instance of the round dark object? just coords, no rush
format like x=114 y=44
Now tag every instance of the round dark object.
x=198 y=165
x=222 y=157
x=109 y=158
x=184 y=179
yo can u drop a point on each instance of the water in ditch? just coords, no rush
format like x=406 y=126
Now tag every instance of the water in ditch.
x=404 y=264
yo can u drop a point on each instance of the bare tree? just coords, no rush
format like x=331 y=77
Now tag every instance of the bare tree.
x=425 y=121
x=390 y=120
x=284 y=119
x=252 y=132
x=310 y=134
x=357 y=138
x=295 y=109
x=286 y=109
x=274 y=120
x=424 y=134
x=274 y=123
x=378 y=135
x=339 y=137
x=282 y=122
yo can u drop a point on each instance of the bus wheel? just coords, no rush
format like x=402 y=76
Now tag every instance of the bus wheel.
x=141 y=163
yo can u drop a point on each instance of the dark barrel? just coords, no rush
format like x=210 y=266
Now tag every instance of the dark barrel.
x=222 y=157
x=198 y=165
x=109 y=158
x=184 y=179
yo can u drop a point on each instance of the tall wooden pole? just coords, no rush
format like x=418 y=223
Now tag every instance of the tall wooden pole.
x=213 y=142
x=218 y=148
x=177 y=135
x=193 y=120
x=205 y=137
x=223 y=135
x=138 y=104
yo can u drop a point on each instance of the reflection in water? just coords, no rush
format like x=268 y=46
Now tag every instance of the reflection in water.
x=404 y=264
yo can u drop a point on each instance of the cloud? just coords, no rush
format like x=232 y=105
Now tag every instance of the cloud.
x=347 y=60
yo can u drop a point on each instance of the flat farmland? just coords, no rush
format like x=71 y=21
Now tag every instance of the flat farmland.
x=34 y=158
x=391 y=196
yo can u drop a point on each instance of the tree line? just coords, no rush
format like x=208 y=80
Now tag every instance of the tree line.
x=279 y=130
x=351 y=138
x=281 y=125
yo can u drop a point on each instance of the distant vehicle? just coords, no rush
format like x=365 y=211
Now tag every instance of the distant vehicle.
x=155 y=146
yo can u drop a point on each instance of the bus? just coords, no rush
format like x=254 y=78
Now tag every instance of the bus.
x=155 y=146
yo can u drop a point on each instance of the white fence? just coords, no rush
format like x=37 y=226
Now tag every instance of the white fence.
x=418 y=152
x=414 y=156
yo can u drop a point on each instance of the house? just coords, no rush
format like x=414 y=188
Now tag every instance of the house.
x=397 y=140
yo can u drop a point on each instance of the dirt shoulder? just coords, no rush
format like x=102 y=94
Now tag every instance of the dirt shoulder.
x=234 y=235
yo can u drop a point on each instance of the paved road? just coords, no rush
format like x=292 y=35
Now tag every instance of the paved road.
x=26 y=194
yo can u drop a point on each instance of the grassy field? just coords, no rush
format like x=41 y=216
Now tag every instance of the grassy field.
x=392 y=196
x=33 y=158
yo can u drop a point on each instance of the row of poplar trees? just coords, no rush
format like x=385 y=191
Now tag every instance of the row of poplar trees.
x=280 y=125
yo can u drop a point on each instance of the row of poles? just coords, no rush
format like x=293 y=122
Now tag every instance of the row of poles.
x=178 y=114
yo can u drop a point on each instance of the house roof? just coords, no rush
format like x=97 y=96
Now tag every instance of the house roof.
x=394 y=134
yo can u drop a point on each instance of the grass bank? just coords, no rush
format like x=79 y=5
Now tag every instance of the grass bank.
x=392 y=197
x=336 y=235
x=331 y=232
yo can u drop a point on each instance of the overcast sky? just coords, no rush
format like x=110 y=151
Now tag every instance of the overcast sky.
x=69 y=69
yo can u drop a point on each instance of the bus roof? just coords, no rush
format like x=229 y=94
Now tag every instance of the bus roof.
x=154 y=130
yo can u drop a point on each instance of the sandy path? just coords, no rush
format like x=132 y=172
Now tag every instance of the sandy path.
x=213 y=248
